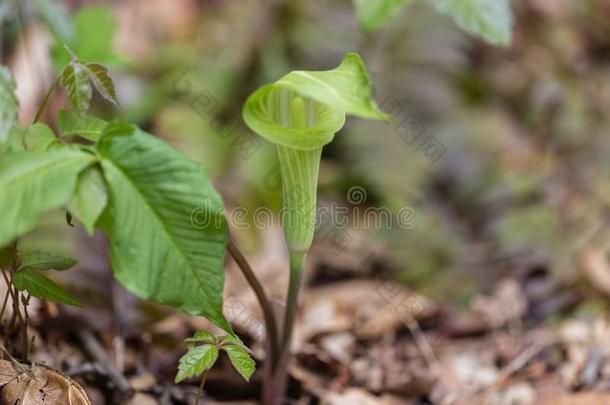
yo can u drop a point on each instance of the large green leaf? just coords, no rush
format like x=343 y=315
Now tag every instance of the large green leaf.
x=42 y=287
x=165 y=223
x=490 y=19
x=34 y=182
x=71 y=123
x=90 y=198
x=372 y=14
x=196 y=361
x=8 y=104
x=46 y=261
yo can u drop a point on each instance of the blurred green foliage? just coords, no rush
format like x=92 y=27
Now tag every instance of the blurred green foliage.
x=524 y=175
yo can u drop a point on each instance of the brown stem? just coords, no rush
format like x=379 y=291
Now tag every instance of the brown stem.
x=4 y=302
x=275 y=380
x=200 y=391
x=14 y=297
x=26 y=341
x=270 y=323
x=45 y=101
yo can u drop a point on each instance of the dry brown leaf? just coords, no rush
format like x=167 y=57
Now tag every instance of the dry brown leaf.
x=588 y=398
x=358 y=396
x=369 y=308
x=507 y=305
x=597 y=269
x=40 y=385
x=142 y=399
x=7 y=372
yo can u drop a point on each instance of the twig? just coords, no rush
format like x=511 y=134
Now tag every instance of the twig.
x=259 y=291
x=518 y=363
x=422 y=342
x=97 y=353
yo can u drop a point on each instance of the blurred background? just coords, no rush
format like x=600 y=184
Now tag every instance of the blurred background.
x=490 y=284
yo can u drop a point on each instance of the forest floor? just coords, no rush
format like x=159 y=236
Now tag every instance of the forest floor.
x=359 y=340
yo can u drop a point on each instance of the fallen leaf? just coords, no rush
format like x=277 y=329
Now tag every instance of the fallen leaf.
x=40 y=385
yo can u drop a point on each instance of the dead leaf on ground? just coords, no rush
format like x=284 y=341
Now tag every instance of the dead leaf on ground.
x=589 y=398
x=38 y=384
x=369 y=308
x=506 y=306
x=358 y=396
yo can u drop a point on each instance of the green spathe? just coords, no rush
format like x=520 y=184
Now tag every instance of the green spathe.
x=327 y=97
x=301 y=113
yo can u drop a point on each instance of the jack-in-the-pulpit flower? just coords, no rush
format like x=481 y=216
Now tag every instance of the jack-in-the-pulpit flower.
x=300 y=113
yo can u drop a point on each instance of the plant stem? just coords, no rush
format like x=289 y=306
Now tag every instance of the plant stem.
x=13 y=297
x=294 y=285
x=259 y=291
x=45 y=101
x=204 y=376
x=4 y=302
x=26 y=341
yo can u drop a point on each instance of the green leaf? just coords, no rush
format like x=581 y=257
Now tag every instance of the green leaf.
x=241 y=360
x=95 y=28
x=90 y=198
x=56 y=16
x=232 y=340
x=328 y=96
x=372 y=14
x=42 y=287
x=15 y=142
x=75 y=78
x=35 y=182
x=45 y=261
x=102 y=82
x=39 y=137
x=489 y=19
x=8 y=104
x=196 y=361
x=200 y=336
x=71 y=123
x=165 y=223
